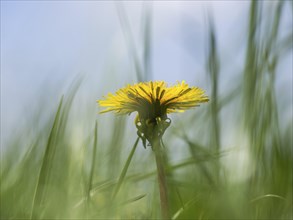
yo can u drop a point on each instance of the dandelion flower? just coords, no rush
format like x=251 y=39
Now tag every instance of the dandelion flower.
x=153 y=101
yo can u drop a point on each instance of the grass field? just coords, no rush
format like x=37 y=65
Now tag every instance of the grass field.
x=67 y=164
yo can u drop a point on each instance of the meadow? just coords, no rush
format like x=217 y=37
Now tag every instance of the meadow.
x=68 y=164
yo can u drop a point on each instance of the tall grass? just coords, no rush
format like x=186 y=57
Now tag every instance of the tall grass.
x=100 y=179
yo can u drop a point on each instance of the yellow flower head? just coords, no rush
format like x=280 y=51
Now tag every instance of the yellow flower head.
x=153 y=101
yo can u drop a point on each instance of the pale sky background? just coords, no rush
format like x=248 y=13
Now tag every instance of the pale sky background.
x=45 y=44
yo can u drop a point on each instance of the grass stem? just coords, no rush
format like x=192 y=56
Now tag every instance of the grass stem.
x=159 y=154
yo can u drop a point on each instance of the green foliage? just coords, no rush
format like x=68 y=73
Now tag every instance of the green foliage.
x=54 y=179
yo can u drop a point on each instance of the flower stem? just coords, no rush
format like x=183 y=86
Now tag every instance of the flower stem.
x=159 y=154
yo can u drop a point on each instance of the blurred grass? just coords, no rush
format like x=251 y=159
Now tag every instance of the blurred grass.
x=51 y=180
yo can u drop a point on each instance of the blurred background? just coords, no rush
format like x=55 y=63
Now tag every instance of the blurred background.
x=228 y=159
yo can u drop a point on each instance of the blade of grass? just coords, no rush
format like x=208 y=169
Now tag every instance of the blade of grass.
x=68 y=102
x=114 y=146
x=214 y=69
x=92 y=170
x=267 y=196
x=202 y=167
x=250 y=72
x=124 y=170
x=185 y=207
x=46 y=165
x=129 y=39
x=147 y=32
x=136 y=198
